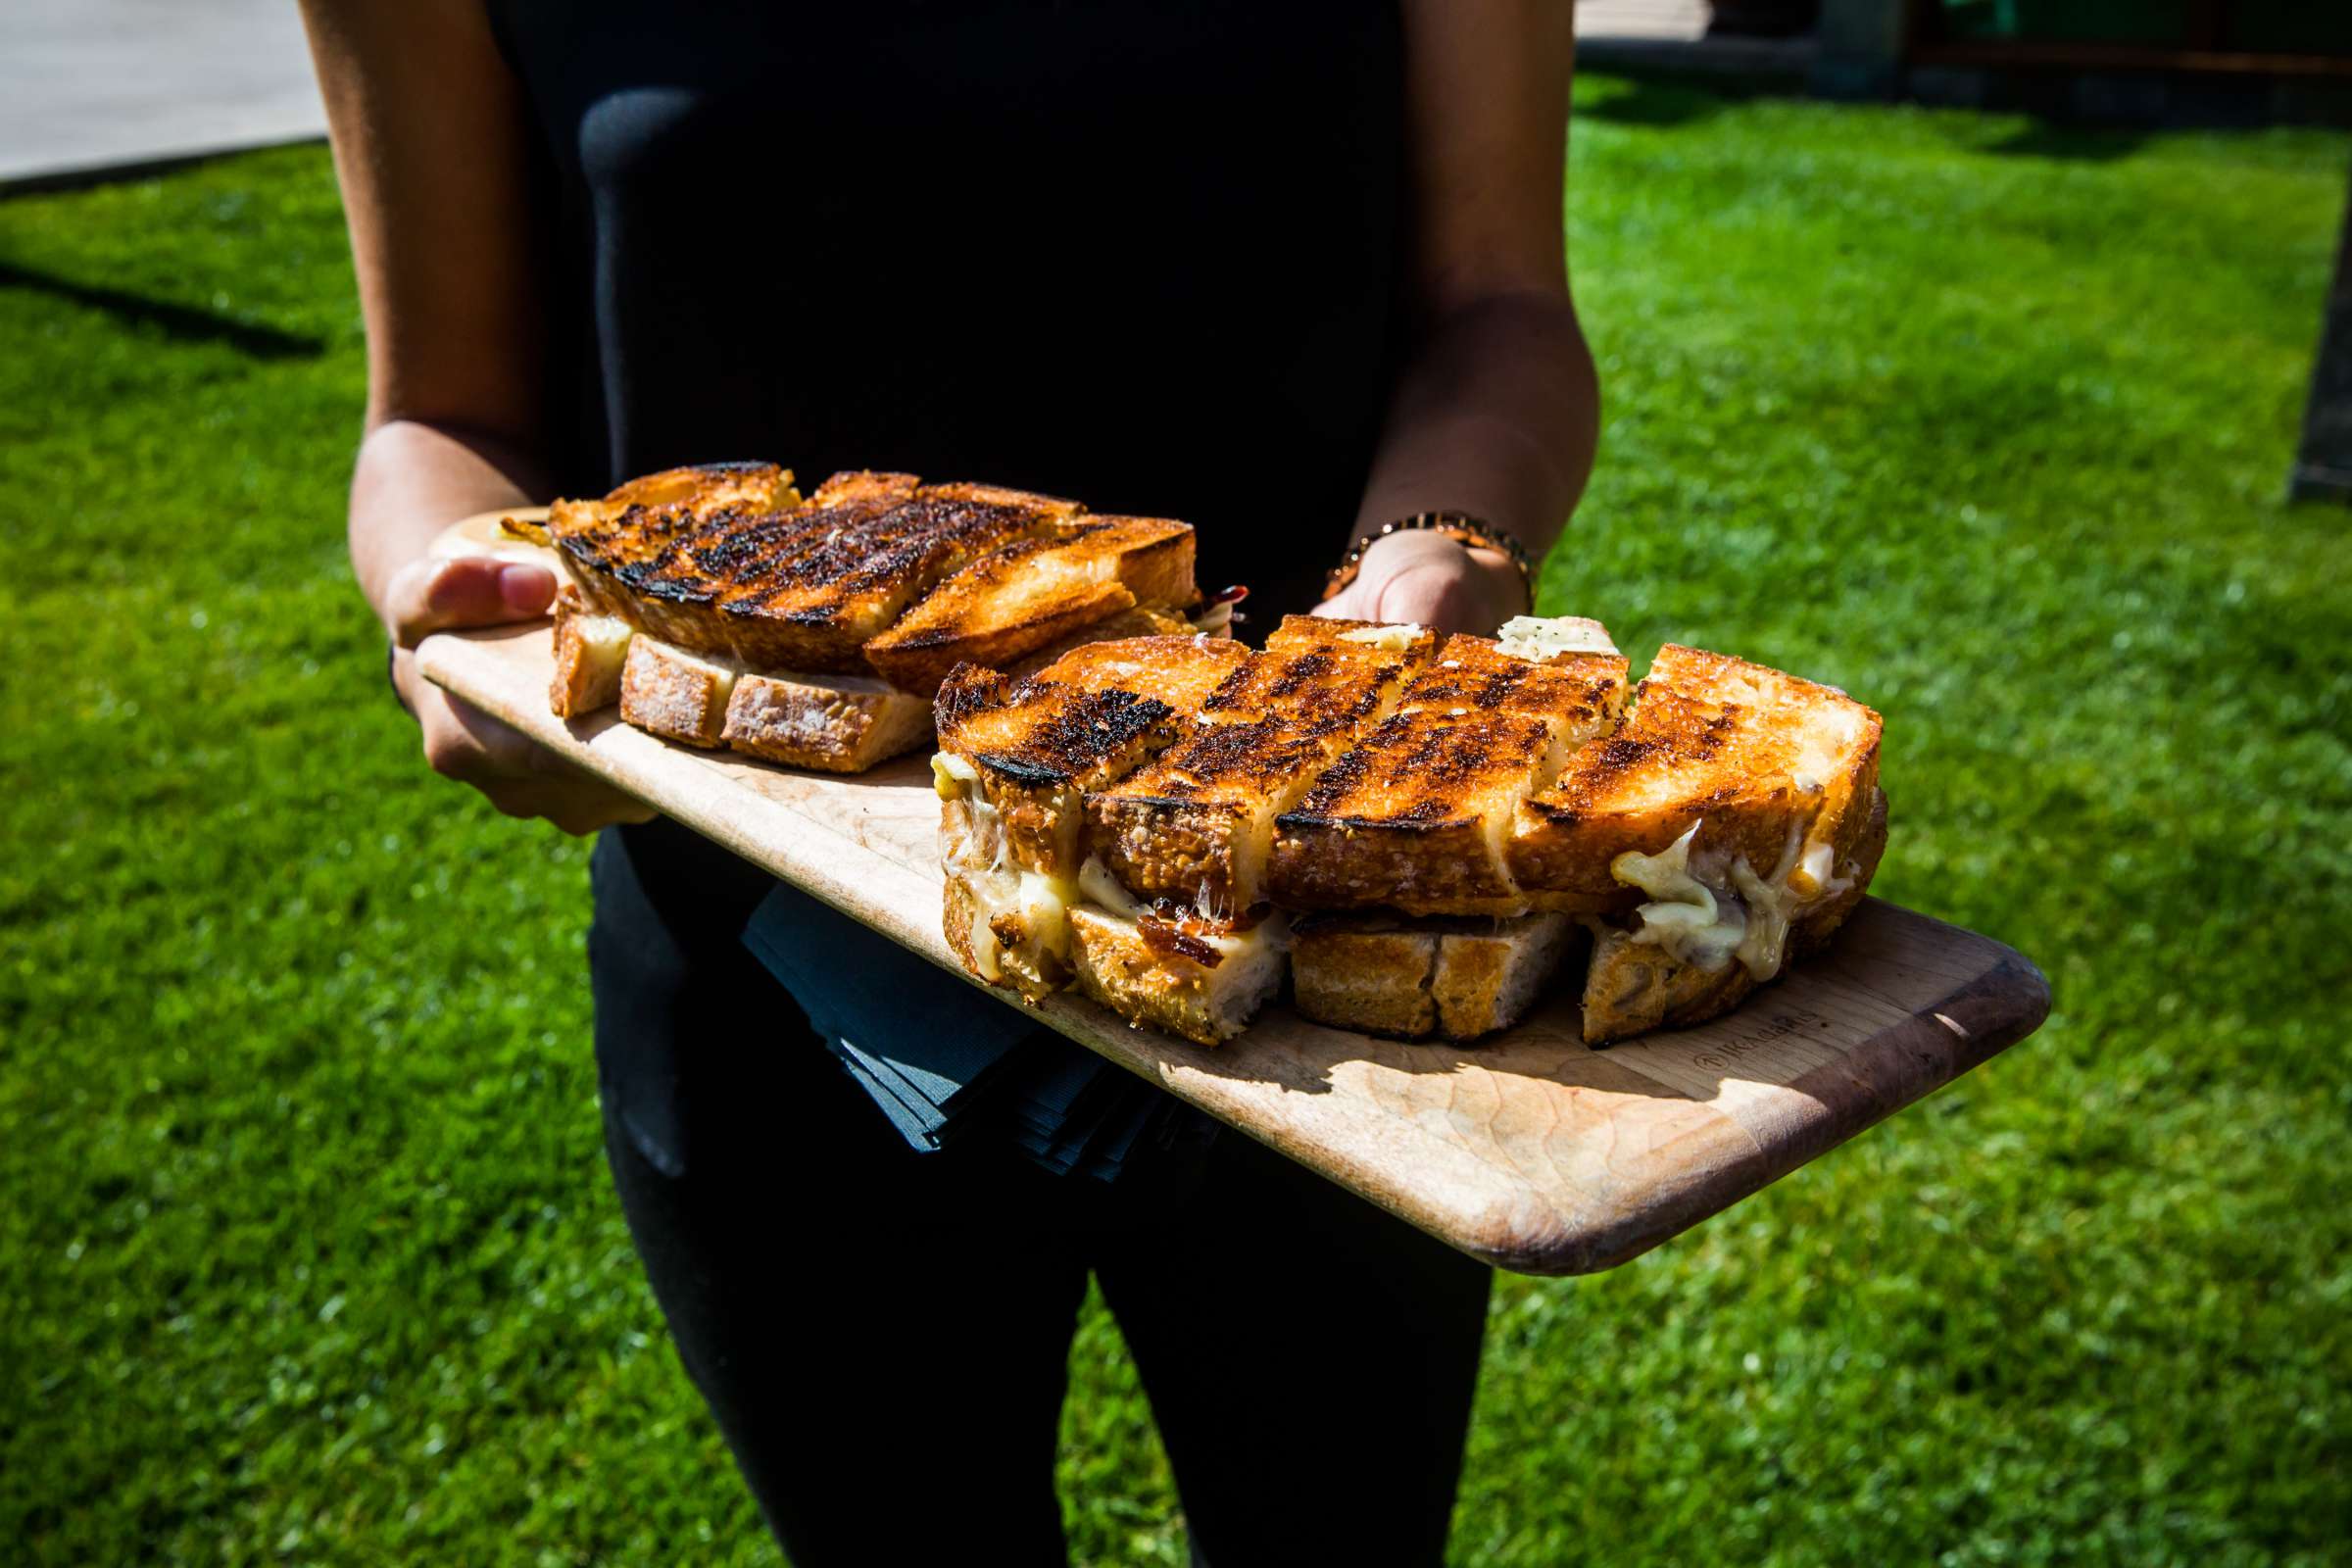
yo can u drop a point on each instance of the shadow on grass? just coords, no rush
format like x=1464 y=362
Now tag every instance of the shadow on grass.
x=2043 y=140
x=186 y=324
x=1658 y=102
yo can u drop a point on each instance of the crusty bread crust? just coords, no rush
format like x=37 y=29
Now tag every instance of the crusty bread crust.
x=726 y=559
x=1634 y=987
x=1456 y=979
x=771 y=615
x=679 y=696
x=1195 y=824
x=1861 y=841
x=1128 y=624
x=1580 y=697
x=1182 y=670
x=841 y=725
x=1486 y=980
x=1370 y=976
x=1037 y=594
x=1380 y=642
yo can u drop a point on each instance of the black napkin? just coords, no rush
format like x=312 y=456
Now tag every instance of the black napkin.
x=944 y=1062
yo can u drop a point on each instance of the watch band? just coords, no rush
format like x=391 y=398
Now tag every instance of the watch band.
x=1460 y=527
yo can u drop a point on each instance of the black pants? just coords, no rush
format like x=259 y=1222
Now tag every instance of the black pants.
x=883 y=1334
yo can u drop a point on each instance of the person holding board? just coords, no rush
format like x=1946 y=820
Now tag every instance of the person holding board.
x=1293 y=273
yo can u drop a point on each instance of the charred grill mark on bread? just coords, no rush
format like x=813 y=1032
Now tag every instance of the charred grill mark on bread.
x=1418 y=814
x=1578 y=696
x=1039 y=591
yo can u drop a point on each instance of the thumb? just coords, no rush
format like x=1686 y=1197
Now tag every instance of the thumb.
x=429 y=596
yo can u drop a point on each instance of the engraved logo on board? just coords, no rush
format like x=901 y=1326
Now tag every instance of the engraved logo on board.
x=1779 y=1026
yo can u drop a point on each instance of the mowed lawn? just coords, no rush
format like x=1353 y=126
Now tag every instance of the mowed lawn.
x=307 y=1253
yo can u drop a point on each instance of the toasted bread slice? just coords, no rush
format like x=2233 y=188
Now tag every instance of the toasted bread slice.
x=1409 y=979
x=836 y=579
x=1195 y=825
x=679 y=696
x=1038 y=593
x=1417 y=815
x=1369 y=973
x=1182 y=670
x=1022 y=753
x=837 y=723
x=1738 y=813
x=1748 y=752
x=726 y=559
x=842 y=724
x=1319 y=676
x=1578 y=695
x=591 y=650
x=634 y=528
x=853 y=486
x=1487 y=979
x=1175 y=970
x=1137 y=620
x=1412 y=646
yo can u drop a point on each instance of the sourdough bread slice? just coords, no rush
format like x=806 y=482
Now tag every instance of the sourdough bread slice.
x=1456 y=979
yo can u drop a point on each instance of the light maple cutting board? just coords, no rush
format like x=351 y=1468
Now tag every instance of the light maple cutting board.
x=1531 y=1151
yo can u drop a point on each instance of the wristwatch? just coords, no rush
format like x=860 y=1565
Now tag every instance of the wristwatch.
x=1460 y=527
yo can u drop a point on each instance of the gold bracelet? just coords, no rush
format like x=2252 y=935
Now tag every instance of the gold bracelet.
x=1463 y=529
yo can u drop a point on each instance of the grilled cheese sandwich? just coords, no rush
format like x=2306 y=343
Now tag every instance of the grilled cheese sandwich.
x=1412 y=823
x=814 y=631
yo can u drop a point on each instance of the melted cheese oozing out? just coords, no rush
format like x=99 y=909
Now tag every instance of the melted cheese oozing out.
x=1536 y=638
x=952 y=774
x=1685 y=915
x=1769 y=907
x=1215 y=621
x=972 y=832
x=987 y=955
x=1388 y=639
x=1102 y=889
x=607 y=634
x=1040 y=905
x=1707 y=926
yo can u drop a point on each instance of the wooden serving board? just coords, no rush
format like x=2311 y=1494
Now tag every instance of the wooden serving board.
x=1531 y=1151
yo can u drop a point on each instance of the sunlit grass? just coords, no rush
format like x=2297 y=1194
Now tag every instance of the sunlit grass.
x=306 y=1249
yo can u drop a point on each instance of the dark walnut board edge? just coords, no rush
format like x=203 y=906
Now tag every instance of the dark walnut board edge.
x=1530 y=1151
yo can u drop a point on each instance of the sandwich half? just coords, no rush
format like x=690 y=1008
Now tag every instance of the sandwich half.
x=1421 y=834
x=1736 y=813
x=814 y=631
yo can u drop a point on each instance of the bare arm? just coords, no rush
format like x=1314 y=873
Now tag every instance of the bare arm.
x=430 y=148
x=1498 y=412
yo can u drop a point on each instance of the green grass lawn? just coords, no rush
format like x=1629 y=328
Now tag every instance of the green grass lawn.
x=307 y=1251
